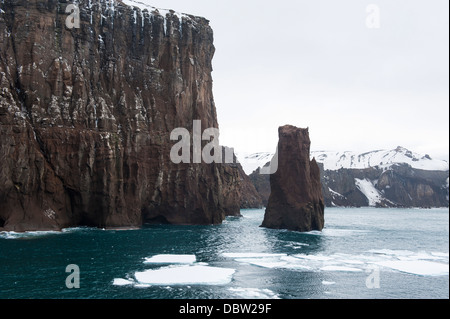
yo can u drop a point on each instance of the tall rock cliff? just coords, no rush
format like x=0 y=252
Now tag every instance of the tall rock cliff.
x=296 y=200
x=86 y=115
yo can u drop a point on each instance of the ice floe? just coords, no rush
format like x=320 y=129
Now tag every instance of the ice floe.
x=170 y=259
x=336 y=232
x=186 y=275
x=252 y=255
x=179 y=270
x=122 y=282
x=416 y=267
x=416 y=263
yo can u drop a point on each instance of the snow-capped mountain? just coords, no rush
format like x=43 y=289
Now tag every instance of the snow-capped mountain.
x=386 y=178
x=381 y=158
x=251 y=162
x=336 y=160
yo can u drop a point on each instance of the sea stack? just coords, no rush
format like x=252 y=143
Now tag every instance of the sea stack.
x=296 y=201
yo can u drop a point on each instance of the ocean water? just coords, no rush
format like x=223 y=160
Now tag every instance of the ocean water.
x=363 y=253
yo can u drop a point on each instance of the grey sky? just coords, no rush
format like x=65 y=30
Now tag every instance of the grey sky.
x=314 y=63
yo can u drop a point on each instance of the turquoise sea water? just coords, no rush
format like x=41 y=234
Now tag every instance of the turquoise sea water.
x=362 y=253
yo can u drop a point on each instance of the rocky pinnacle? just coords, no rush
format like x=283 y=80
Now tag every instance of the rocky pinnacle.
x=296 y=200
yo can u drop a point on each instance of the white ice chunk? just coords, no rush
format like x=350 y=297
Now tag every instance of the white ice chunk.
x=417 y=267
x=122 y=282
x=170 y=259
x=186 y=275
x=438 y=254
x=313 y=257
x=340 y=268
x=391 y=252
x=419 y=263
x=142 y=285
x=276 y=262
x=263 y=262
x=251 y=255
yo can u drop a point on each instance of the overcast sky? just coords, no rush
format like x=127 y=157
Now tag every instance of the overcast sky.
x=316 y=64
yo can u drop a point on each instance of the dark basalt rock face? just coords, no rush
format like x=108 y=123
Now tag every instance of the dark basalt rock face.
x=86 y=115
x=261 y=183
x=399 y=186
x=296 y=200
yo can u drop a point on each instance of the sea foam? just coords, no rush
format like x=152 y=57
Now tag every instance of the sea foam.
x=253 y=293
x=38 y=233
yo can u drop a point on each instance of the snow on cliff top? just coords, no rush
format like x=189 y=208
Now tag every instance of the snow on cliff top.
x=145 y=5
x=337 y=160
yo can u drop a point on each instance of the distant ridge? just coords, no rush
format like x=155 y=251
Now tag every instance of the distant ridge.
x=351 y=160
x=380 y=178
x=379 y=158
